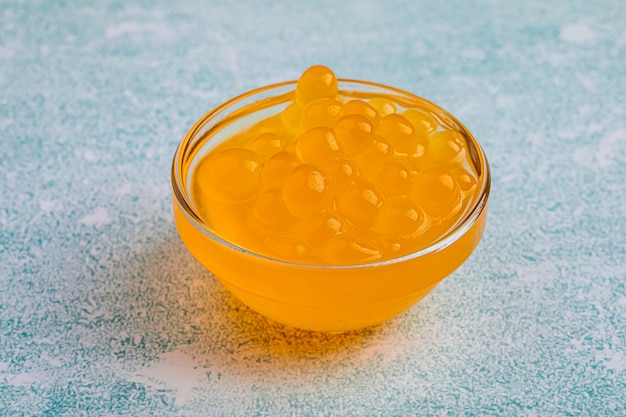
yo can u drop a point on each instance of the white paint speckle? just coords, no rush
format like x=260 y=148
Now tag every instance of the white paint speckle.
x=4 y=123
x=48 y=206
x=124 y=189
x=476 y=54
x=24 y=379
x=604 y=153
x=613 y=360
x=578 y=344
x=229 y=58
x=11 y=177
x=586 y=82
x=175 y=371
x=160 y=191
x=90 y=156
x=134 y=28
x=505 y=101
x=585 y=110
x=99 y=217
x=6 y=52
x=578 y=33
x=205 y=95
x=131 y=97
x=609 y=147
x=581 y=157
x=536 y=139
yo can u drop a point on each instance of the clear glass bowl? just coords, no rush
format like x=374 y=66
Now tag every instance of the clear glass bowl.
x=320 y=297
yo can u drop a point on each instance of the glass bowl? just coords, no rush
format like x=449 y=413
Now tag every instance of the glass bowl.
x=320 y=297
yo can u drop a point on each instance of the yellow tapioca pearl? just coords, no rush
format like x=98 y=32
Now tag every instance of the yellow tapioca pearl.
x=232 y=175
x=399 y=215
x=423 y=122
x=342 y=173
x=270 y=125
x=380 y=151
x=411 y=163
x=383 y=105
x=306 y=191
x=362 y=108
x=391 y=178
x=315 y=83
x=287 y=247
x=322 y=112
x=466 y=181
x=436 y=191
x=354 y=134
x=447 y=147
x=318 y=146
x=392 y=244
x=359 y=203
x=401 y=135
x=348 y=249
x=319 y=230
x=270 y=211
x=277 y=168
x=290 y=118
x=266 y=144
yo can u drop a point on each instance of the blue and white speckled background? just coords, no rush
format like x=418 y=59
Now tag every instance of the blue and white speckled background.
x=104 y=312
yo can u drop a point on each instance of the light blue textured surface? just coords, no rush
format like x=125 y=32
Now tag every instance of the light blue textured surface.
x=104 y=312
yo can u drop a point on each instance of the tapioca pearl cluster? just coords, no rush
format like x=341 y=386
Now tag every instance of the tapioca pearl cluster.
x=340 y=179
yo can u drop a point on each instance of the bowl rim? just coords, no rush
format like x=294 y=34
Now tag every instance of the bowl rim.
x=182 y=200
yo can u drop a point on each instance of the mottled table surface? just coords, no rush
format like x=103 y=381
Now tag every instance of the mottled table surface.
x=104 y=312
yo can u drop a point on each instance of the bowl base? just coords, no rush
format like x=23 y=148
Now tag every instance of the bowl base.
x=326 y=319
